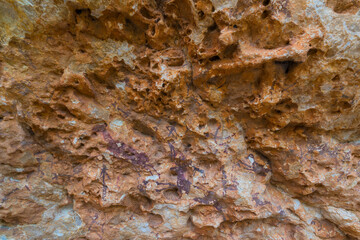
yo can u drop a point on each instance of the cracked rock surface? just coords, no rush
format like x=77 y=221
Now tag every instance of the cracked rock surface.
x=179 y=119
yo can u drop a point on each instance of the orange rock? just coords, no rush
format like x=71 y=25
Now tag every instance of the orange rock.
x=175 y=119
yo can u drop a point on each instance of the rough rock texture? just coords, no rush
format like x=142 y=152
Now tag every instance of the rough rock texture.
x=179 y=119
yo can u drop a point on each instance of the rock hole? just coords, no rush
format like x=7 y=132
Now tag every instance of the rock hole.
x=127 y=21
x=328 y=169
x=83 y=10
x=287 y=66
x=110 y=87
x=345 y=105
x=172 y=194
x=174 y=62
x=142 y=128
x=213 y=123
x=266 y=2
x=146 y=203
x=78 y=11
x=214 y=58
x=312 y=51
x=344 y=6
x=153 y=30
x=190 y=223
x=257 y=84
x=29 y=130
x=336 y=78
x=155 y=220
x=173 y=172
x=146 y=13
x=212 y=27
x=288 y=106
x=201 y=15
x=131 y=26
x=156 y=65
x=349 y=177
x=230 y=50
x=265 y=14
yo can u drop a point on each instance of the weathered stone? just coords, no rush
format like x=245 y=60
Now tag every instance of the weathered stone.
x=203 y=119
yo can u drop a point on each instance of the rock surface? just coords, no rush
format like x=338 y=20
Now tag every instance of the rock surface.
x=179 y=119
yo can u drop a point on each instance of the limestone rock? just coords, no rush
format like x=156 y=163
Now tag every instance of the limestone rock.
x=169 y=119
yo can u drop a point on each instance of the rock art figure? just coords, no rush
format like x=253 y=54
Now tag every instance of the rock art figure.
x=180 y=119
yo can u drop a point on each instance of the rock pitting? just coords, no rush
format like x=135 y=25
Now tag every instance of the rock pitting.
x=179 y=119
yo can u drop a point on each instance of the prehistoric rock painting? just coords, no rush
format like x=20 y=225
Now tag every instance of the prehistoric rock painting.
x=179 y=119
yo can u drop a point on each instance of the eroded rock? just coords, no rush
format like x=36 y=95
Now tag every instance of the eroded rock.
x=174 y=119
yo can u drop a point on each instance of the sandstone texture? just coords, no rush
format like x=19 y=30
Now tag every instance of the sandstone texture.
x=179 y=119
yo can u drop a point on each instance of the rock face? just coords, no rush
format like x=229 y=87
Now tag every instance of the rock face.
x=180 y=119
